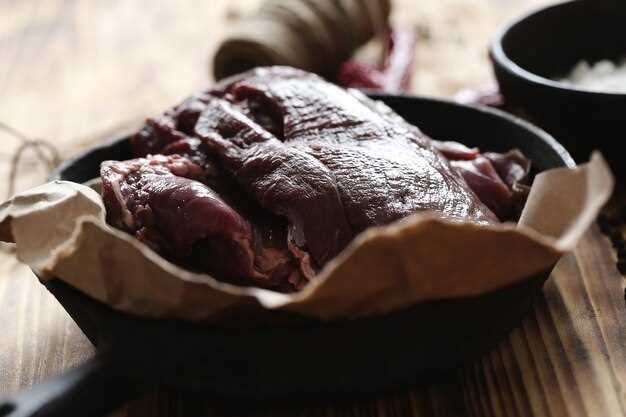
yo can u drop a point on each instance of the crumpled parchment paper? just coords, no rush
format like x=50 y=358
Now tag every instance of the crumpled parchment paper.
x=60 y=231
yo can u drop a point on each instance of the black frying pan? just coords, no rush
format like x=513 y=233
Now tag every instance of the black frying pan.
x=298 y=358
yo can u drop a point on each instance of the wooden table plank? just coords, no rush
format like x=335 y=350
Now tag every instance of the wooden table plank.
x=570 y=350
x=37 y=336
x=69 y=69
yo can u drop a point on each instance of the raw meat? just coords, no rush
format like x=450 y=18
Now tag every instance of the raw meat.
x=495 y=178
x=280 y=159
x=161 y=200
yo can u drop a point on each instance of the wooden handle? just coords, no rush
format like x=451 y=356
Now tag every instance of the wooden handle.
x=89 y=390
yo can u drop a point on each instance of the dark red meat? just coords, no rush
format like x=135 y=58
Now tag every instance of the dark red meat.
x=495 y=178
x=284 y=170
x=161 y=200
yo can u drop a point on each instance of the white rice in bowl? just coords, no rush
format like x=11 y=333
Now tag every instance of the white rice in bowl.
x=602 y=76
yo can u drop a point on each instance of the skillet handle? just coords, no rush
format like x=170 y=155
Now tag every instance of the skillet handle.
x=90 y=390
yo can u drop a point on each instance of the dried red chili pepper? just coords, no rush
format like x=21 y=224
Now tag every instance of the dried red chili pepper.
x=393 y=73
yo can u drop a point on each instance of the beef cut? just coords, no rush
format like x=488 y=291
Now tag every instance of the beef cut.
x=269 y=175
x=162 y=201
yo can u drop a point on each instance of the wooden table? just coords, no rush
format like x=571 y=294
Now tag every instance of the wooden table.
x=70 y=71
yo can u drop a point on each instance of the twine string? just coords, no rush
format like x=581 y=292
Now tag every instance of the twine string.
x=45 y=152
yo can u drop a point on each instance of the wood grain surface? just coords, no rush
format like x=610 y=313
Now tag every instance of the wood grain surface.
x=73 y=72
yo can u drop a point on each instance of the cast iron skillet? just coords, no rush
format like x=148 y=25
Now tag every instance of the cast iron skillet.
x=304 y=359
x=548 y=43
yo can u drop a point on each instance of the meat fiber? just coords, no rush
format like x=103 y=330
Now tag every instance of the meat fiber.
x=282 y=170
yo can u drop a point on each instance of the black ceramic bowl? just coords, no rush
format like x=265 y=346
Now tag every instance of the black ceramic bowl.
x=547 y=44
x=305 y=360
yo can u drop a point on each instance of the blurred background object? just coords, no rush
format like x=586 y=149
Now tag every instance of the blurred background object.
x=324 y=37
x=314 y=35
